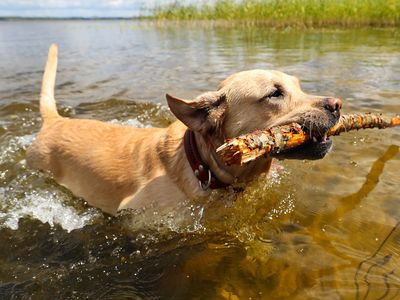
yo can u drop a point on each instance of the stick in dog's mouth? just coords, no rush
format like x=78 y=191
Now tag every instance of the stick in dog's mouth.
x=315 y=136
x=276 y=140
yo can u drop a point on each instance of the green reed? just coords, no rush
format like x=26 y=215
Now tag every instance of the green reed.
x=277 y=13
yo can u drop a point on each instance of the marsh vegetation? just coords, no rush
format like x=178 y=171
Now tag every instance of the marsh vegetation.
x=279 y=13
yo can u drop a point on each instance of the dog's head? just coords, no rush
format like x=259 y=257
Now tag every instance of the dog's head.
x=260 y=99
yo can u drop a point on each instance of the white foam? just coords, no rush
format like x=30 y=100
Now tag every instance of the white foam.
x=46 y=207
x=130 y=122
x=25 y=140
x=13 y=145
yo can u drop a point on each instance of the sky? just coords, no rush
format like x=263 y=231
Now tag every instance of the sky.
x=76 y=8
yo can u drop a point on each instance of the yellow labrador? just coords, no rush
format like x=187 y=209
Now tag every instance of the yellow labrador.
x=115 y=167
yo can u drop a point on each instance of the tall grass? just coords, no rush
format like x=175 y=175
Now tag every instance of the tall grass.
x=309 y=13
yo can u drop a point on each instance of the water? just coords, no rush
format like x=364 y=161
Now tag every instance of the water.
x=309 y=230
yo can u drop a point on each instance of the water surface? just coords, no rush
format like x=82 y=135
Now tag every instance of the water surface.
x=309 y=230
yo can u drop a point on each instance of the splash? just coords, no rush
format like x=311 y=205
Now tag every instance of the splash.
x=19 y=199
x=45 y=206
x=10 y=149
x=130 y=122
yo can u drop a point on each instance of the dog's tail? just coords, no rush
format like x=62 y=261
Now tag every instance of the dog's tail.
x=48 y=108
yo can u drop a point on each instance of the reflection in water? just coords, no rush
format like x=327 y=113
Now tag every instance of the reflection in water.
x=350 y=202
x=309 y=230
x=377 y=263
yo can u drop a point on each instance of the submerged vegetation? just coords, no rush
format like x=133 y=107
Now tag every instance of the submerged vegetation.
x=277 y=13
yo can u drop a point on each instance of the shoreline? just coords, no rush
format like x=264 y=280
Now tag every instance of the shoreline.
x=267 y=24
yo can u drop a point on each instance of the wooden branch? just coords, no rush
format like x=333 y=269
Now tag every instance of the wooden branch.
x=246 y=148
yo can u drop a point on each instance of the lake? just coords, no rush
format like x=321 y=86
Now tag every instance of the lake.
x=326 y=229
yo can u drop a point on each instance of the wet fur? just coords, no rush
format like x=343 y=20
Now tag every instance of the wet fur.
x=115 y=167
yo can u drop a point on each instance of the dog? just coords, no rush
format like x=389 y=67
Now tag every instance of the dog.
x=114 y=167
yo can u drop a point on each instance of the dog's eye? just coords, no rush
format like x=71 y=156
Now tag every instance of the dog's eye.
x=276 y=93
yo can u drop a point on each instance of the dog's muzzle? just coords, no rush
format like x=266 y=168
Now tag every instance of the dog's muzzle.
x=317 y=126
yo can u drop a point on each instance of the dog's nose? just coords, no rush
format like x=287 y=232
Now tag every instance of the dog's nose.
x=333 y=104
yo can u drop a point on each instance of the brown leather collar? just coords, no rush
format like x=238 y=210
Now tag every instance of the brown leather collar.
x=206 y=177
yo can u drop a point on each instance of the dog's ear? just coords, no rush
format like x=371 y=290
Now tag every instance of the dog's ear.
x=203 y=114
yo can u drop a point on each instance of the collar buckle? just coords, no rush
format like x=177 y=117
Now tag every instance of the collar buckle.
x=204 y=186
